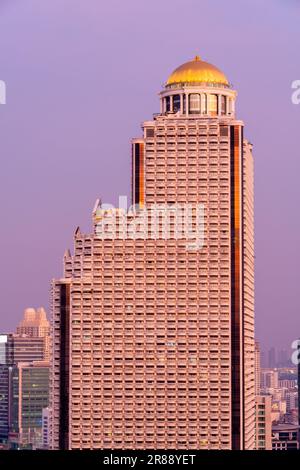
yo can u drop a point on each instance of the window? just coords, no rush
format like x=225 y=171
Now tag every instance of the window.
x=223 y=105
x=204 y=104
x=176 y=103
x=168 y=104
x=213 y=105
x=150 y=132
x=195 y=103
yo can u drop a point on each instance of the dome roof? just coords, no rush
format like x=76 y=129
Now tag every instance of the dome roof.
x=197 y=71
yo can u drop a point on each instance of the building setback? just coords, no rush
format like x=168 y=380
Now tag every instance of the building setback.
x=153 y=337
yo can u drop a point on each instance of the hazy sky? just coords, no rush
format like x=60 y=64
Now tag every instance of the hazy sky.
x=82 y=75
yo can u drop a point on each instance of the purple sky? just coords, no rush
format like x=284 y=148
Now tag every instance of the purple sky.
x=82 y=75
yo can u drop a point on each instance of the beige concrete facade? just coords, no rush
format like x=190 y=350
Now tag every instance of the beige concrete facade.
x=263 y=423
x=35 y=324
x=153 y=340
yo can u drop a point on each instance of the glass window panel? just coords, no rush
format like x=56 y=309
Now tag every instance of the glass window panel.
x=204 y=104
x=176 y=103
x=168 y=104
x=195 y=103
x=223 y=104
x=213 y=104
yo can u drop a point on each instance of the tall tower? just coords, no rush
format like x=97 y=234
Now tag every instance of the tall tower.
x=153 y=339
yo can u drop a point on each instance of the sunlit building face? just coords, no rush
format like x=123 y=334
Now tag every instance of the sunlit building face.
x=153 y=342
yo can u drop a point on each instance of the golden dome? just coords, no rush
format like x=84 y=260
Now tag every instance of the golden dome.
x=197 y=71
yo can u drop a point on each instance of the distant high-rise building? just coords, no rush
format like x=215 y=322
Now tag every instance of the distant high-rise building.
x=153 y=335
x=6 y=362
x=263 y=423
x=35 y=324
x=30 y=395
x=291 y=400
x=30 y=343
x=269 y=379
x=257 y=368
x=283 y=358
x=272 y=358
x=26 y=348
x=263 y=362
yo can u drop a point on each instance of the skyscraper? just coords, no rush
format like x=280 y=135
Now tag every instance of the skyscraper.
x=29 y=396
x=30 y=343
x=283 y=358
x=26 y=348
x=6 y=359
x=13 y=350
x=269 y=379
x=153 y=335
x=36 y=325
x=272 y=358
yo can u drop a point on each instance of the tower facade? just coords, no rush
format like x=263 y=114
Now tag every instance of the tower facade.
x=153 y=335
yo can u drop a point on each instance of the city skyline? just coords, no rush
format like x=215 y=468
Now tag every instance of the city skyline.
x=24 y=380
x=69 y=142
x=149 y=245
x=276 y=389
